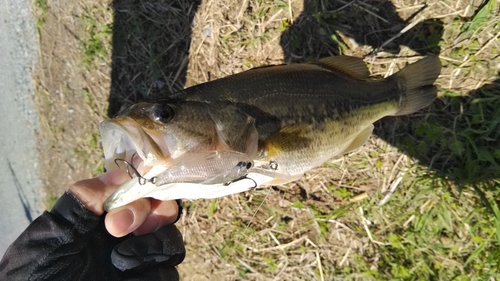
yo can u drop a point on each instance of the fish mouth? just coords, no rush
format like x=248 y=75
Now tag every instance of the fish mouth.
x=150 y=153
x=124 y=139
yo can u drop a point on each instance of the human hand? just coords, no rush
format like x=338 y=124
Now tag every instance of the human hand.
x=142 y=254
x=73 y=240
x=139 y=217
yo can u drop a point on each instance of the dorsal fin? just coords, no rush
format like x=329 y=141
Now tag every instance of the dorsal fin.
x=352 y=66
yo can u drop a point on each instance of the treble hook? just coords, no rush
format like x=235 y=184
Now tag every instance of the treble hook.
x=142 y=180
x=137 y=174
x=242 y=178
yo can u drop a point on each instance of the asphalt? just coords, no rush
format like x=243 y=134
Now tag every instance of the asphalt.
x=21 y=193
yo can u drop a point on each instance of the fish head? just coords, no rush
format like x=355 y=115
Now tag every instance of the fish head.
x=153 y=134
x=155 y=139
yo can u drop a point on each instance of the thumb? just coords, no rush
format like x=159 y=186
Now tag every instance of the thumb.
x=92 y=193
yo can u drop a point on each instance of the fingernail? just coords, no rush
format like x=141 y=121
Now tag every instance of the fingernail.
x=123 y=221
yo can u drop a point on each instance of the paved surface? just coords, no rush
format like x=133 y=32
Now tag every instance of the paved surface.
x=20 y=185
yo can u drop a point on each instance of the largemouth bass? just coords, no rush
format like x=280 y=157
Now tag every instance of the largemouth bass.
x=287 y=118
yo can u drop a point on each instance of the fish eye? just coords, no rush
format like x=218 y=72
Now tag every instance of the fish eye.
x=162 y=113
x=243 y=164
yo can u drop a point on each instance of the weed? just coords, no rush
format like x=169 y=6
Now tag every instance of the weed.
x=479 y=20
x=50 y=201
x=99 y=36
x=41 y=10
x=99 y=169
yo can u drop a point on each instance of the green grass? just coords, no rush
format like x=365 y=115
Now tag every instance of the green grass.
x=451 y=239
x=480 y=19
x=50 y=201
x=41 y=10
x=97 y=44
x=459 y=139
x=456 y=235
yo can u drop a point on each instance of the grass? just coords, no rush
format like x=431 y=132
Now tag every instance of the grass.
x=99 y=34
x=41 y=10
x=418 y=202
x=50 y=201
x=150 y=49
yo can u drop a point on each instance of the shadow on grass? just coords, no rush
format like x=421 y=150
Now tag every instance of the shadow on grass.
x=458 y=137
x=151 y=42
x=321 y=27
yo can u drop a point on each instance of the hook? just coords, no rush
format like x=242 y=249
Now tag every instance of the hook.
x=137 y=174
x=242 y=178
x=142 y=180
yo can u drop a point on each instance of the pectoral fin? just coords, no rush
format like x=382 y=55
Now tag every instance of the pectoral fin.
x=290 y=138
x=235 y=129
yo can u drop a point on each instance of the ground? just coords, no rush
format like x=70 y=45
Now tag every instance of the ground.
x=417 y=202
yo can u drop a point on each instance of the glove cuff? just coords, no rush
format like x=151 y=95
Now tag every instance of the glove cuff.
x=70 y=210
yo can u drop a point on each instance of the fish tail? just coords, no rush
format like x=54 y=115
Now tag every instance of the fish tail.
x=416 y=81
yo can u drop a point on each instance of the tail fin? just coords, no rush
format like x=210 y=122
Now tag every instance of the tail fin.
x=416 y=80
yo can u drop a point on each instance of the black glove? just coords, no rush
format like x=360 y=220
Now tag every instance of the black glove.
x=72 y=243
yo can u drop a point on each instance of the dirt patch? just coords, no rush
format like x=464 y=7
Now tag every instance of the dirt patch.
x=71 y=96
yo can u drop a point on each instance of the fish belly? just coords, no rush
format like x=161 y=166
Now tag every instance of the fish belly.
x=299 y=147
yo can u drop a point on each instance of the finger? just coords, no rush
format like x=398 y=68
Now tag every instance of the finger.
x=92 y=193
x=124 y=220
x=141 y=216
x=162 y=213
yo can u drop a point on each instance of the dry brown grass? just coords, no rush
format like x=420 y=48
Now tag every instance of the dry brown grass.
x=292 y=231
x=151 y=42
x=325 y=226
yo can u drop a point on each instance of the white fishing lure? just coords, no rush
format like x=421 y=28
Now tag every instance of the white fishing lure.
x=197 y=175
